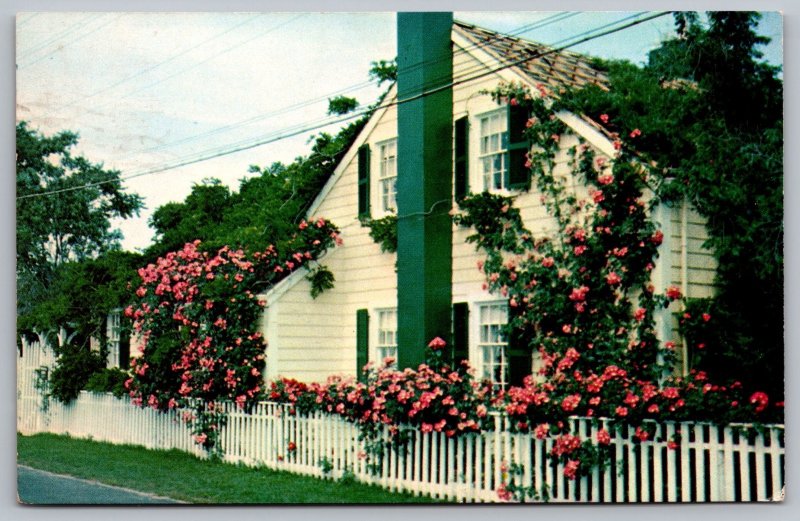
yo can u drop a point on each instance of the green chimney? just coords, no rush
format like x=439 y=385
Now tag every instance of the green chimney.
x=424 y=182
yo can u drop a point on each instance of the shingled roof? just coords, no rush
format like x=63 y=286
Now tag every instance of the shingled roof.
x=555 y=69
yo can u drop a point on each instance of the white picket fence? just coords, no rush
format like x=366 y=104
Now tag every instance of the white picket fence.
x=710 y=464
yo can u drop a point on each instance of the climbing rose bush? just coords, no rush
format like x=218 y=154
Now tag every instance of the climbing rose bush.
x=581 y=299
x=435 y=397
x=197 y=320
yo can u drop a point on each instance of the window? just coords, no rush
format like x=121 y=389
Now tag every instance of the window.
x=493 y=146
x=386 y=344
x=492 y=342
x=113 y=336
x=388 y=175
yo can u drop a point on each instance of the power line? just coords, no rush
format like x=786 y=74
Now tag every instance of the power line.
x=559 y=17
x=84 y=35
x=148 y=69
x=348 y=117
x=257 y=36
x=66 y=31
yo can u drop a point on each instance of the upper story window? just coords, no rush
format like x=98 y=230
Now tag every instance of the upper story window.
x=493 y=148
x=492 y=342
x=386 y=345
x=491 y=152
x=387 y=175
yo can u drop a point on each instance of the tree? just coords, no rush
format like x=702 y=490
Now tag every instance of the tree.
x=71 y=224
x=341 y=105
x=710 y=116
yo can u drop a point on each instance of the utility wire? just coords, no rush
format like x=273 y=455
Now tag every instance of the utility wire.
x=350 y=89
x=183 y=71
x=359 y=113
x=148 y=69
x=66 y=31
x=84 y=35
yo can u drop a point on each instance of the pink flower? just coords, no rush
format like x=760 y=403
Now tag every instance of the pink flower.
x=579 y=294
x=571 y=469
x=604 y=118
x=639 y=314
x=636 y=133
x=541 y=431
x=503 y=493
x=621 y=411
x=760 y=400
x=605 y=179
x=201 y=438
x=598 y=196
x=673 y=293
x=706 y=317
x=570 y=403
x=437 y=343
x=613 y=279
x=657 y=237
x=603 y=437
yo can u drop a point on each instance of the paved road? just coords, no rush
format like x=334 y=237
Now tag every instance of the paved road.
x=37 y=487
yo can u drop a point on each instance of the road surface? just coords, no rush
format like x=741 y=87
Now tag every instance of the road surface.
x=37 y=487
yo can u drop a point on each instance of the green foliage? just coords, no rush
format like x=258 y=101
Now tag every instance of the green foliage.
x=176 y=474
x=383 y=231
x=383 y=70
x=73 y=225
x=341 y=105
x=74 y=366
x=265 y=211
x=710 y=116
x=108 y=380
x=321 y=279
x=81 y=296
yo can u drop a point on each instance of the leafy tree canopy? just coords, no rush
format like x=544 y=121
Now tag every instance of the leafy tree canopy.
x=72 y=225
x=710 y=116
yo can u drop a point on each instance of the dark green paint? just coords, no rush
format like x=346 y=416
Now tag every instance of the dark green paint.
x=519 y=176
x=460 y=344
x=363 y=181
x=461 y=158
x=424 y=183
x=362 y=341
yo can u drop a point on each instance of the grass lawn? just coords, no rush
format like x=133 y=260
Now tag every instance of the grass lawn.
x=181 y=476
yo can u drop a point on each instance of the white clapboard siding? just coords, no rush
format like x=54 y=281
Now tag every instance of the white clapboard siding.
x=711 y=463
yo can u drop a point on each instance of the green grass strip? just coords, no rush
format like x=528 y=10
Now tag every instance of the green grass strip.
x=184 y=477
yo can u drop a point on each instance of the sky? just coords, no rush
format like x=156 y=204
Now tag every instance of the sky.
x=149 y=91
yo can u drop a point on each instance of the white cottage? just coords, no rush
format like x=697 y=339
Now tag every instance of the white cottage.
x=411 y=159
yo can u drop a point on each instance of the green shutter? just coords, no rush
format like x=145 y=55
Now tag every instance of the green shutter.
x=461 y=158
x=362 y=341
x=519 y=355
x=363 y=181
x=460 y=332
x=518 y=176
x=124 y=352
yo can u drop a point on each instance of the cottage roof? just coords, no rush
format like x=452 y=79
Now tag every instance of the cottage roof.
x=553 y=68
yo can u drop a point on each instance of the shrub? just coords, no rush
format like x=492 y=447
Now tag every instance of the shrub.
x=74 y=367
